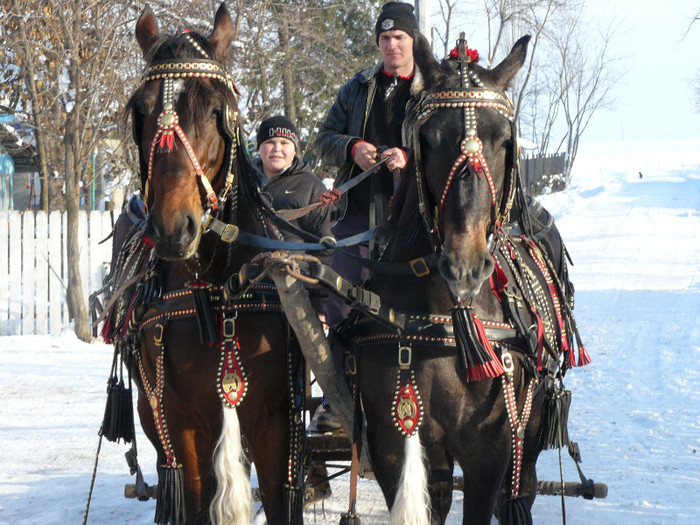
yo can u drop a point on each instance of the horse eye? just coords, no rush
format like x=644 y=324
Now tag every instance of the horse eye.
x=144 y=105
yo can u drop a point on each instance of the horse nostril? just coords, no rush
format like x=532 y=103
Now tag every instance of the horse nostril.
x=488 y=267
x=153 y=230
x=445 y=268
x=483 y=270
x=191 y=226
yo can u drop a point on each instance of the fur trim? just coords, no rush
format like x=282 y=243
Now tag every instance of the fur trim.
x=417 y=85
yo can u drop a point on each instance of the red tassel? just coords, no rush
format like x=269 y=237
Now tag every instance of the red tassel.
x=105 y=331
x=583 y=357
x=473 y=54
x=477 y=166
x=167 y=142
x=572 y=358
x=492 y=367
x=498 y=279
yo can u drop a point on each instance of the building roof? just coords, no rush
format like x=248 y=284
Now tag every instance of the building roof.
x=23 y=155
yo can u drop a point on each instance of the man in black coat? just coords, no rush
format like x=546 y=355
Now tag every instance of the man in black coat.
x=369 y=113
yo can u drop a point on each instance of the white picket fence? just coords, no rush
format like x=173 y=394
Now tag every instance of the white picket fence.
x=33 y=267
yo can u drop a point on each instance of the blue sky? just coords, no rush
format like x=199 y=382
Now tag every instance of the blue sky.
x=655 y=99
x=659 y=58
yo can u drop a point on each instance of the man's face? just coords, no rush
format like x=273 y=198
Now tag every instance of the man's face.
x=396 y=47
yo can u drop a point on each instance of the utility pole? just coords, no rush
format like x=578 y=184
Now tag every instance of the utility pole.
x=423 y=16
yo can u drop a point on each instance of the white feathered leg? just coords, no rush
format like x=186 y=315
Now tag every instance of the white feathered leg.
x=412 y=504
x=233 y=499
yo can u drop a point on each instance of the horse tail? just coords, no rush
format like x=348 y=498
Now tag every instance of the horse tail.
x=412 y=503
x=233 y=499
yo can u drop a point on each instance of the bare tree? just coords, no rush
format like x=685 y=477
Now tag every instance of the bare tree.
x=71 y=57
x=586 y=78
x=447 y=11
x=89 y=32
x=27 y=49
x=569 y=75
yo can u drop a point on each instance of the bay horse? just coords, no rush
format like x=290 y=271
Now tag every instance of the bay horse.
x=210 y=360
x=469 y=378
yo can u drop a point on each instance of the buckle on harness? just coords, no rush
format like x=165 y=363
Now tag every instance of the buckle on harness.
x=351 y=363
x=158 y=336
x=229 y=233
x=229 y=328
x=419 y=267
x=507 y=361
x=329 y=242
x=405 y=357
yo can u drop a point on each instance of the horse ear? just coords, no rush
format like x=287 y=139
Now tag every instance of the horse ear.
x=503 y=73
x=222 y=35
x=146 y=30
x=423 y=56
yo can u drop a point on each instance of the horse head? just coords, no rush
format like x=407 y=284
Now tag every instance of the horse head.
x=466 y=152
x=184 y=118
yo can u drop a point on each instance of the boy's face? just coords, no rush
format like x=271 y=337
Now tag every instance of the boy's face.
x=276 y=154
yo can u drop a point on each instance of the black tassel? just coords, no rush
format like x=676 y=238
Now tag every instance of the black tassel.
x=476 y=358
x=170 y=499
x=554 y=431
x=293 y=505
x=516 y=512
x=349 y=519
x=118 y=421
x=208 y=332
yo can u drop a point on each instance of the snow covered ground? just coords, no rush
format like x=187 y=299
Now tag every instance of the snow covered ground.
x=636 y=410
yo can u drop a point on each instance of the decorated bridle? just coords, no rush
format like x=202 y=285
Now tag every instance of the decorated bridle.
x=472 y=95
x=169 y=127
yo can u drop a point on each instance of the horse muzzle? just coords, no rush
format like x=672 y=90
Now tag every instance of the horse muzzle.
x=175 y=239
x=464 y=280
x=465 y=262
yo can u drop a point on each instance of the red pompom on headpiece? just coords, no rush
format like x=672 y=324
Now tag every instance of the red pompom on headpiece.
x=473 y=54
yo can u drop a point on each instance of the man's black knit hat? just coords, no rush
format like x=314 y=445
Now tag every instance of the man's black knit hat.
x=396 y=15
x=277 y=126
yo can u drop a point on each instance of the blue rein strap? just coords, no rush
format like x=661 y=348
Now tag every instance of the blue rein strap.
x=232 y=233
x=419 y=267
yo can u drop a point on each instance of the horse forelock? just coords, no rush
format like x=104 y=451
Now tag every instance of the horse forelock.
x=168 y=46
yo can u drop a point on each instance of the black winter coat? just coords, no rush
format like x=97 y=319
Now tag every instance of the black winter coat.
x=294 y=188
x=347 y=120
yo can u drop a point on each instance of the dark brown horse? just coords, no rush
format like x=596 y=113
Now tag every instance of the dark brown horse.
x=463 y=382
x=210 y=365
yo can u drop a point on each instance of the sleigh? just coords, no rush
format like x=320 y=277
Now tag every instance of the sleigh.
x=456 y=352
